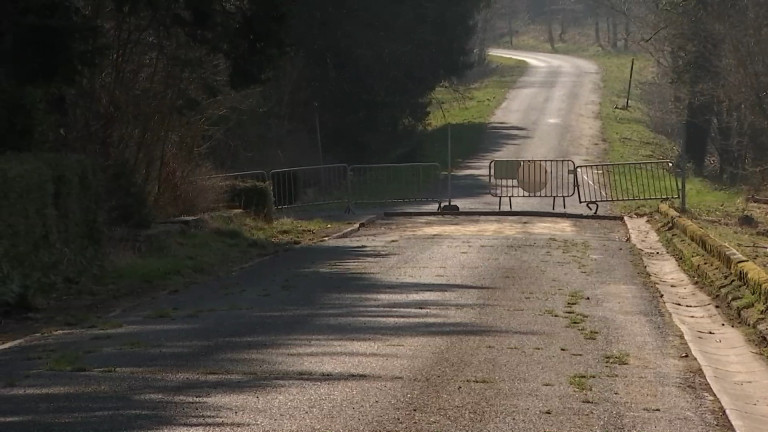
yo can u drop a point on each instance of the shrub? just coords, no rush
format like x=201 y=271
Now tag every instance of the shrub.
x=125 y=198
x=254 y=197
x=51 y=229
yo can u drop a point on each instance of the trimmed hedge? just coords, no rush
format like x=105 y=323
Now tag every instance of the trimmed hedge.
x=51 y=229
x=254 y=197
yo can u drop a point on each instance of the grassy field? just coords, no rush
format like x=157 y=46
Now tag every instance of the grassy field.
x=629 y=137
x=467 y=107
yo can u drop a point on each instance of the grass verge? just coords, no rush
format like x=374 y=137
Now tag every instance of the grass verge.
x=628 y=133
x=467 y=107
x=718 y=209
x=224 y=240
x=167 y=258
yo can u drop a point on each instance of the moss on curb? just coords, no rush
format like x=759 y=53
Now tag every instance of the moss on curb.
x=748 y=304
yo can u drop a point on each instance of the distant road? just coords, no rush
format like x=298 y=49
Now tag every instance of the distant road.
x=552 y=113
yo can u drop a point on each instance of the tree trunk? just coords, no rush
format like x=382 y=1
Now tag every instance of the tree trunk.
x=551 y=33
x=561 y=36
x=608 y=30
x=614 y=33
x=598 y=39
x=627 y=30
x=698 y=124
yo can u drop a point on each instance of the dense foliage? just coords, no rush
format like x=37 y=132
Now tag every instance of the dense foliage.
x=164 y=91
x=52 y=232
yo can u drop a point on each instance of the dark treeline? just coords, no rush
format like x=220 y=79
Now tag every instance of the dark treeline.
x=160 y=91
x=611 y=20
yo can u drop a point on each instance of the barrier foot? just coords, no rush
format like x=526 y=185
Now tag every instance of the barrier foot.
x=596 y=205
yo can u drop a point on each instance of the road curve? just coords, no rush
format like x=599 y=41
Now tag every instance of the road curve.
x=552 y=113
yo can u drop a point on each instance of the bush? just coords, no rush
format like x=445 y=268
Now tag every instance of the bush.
x=51 y=229
x=252 y=196
x=125 y=198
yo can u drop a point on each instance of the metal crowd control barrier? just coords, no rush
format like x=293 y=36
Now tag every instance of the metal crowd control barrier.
x=395 y=183
x=532 y=179
x=295 y=187
x=630 y=181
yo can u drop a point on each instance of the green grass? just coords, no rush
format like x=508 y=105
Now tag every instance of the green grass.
x=109 y=325
x=66 y=362
x=576 y=319
x=228 y=240
x=620 y=358
x=160 y=314
x=630 y=138
x=574 y=298
x=581 y=382
x=468 y=107
x=627 y=132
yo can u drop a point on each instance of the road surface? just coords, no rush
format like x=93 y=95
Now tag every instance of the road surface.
x=410 y=325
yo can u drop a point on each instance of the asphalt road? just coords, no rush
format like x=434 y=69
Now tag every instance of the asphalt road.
x=420 y=324
x=441 y=324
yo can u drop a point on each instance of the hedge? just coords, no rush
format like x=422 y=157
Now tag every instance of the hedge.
x=51 y=228
x=254 y=197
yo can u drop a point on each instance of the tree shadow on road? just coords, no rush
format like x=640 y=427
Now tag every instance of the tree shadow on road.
x=227 y=337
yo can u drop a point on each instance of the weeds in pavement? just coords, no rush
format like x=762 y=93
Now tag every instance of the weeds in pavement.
x=109 y=325
x=160 y=314
x=620 y=358
x=68 y=361
x=580 y=382
x=574 y=298
x=482 y=380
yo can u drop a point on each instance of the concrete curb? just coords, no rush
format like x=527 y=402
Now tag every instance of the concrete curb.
x=351 y=230
x=744 y=270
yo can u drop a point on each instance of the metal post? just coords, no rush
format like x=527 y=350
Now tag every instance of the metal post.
x=450 y=170
x=631 y=75
x=450 y=207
